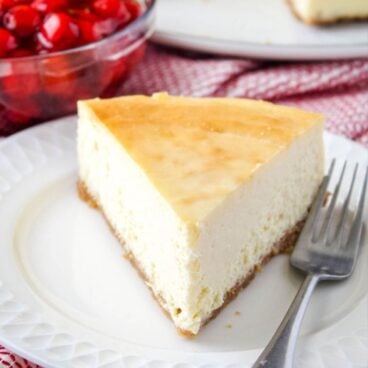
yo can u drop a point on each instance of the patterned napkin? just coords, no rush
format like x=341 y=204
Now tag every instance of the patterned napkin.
x=338 y=89
x=8 y=359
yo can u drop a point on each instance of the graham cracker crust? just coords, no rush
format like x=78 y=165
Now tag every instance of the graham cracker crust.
x=326 y=22
x=284 y=245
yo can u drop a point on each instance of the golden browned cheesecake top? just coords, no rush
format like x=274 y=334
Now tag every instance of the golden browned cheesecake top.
x=196 y=151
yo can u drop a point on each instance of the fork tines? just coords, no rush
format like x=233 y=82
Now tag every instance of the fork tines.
x=346 y=229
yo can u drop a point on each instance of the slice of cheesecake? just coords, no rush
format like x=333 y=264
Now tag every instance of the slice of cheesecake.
x=329 y=11
x=201 y=192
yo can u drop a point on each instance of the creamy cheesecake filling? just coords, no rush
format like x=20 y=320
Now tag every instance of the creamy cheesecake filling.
x=191 y=267
x=330 y=10
x=238 y=234
x=151 y=230
x=285 y=244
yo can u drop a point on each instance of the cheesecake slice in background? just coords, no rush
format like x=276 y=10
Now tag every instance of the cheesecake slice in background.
x=200 y=191
x=329 y=11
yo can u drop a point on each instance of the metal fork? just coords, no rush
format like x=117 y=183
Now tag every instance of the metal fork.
x=327 y=249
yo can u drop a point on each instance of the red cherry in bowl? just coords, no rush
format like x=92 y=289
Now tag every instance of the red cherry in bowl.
x=106 y=8
x=59 y=31
x=90 y=31
x=7 y=4
x=134 y=8
x=7 y=42
x=48 y=6
x=22 y=20
x=49 y=84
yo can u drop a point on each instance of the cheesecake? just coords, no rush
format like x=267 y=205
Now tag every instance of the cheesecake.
x=200 y=192
x=329 y=11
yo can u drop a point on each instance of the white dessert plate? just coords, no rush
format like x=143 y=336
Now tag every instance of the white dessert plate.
x=260 y=29
x=69 y=299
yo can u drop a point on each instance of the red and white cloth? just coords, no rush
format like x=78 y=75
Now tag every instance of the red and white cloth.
x=8 y=359
x=338 y=89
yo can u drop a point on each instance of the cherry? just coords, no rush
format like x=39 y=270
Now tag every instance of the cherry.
x=48 y=6
x=58 y=31
x=134 y=8
x=7 y=4
x=106 y=8
x=103 y=28
x=43 y=45
x=58 y=76
x=7 y=42
x=22 y=20
x=13 y=85
x=4 y=6
x=123 y=16
x=87 y=25
x=89 y=31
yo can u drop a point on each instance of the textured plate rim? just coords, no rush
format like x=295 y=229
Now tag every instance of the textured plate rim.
x=258 y=50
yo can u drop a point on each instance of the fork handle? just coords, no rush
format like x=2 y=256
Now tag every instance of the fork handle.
x=279 y=352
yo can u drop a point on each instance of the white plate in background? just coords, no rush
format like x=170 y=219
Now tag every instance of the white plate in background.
x=255 y=28
x=69 y=299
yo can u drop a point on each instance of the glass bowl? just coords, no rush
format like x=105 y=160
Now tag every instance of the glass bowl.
x=43 y=87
